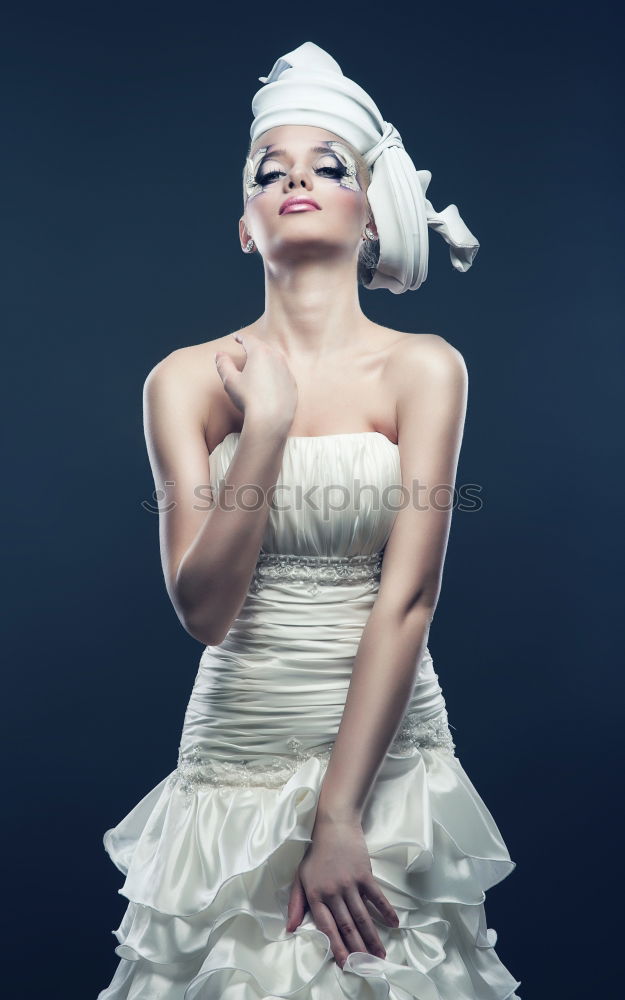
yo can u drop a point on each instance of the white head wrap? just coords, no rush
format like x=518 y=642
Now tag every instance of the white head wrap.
x=307 y=87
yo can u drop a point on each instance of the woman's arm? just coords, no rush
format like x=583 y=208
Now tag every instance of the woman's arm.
x=432 y=384
x=210 y=545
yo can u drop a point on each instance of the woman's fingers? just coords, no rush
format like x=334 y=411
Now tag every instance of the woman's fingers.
x=375 y=895
x=364 y=924
x=297 y=904
x=264 y=385
x=324 y=921
x=348 y=925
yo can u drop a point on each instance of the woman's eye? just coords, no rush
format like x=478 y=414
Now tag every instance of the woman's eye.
x=326 y=171
x=264 y=178
x=333 y=171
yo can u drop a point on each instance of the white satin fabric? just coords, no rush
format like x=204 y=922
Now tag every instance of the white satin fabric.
x=307 y=87
x=209 y=854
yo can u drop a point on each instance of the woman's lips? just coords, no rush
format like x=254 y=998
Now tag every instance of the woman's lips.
x=299 y=206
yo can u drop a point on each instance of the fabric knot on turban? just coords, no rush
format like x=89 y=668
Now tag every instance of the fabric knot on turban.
x=390 y=137
x=307 y=87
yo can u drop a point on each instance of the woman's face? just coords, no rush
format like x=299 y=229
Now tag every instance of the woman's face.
x=303 y=161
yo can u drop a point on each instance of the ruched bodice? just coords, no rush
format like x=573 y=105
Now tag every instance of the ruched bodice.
x=209 y=855
x=336 y=494
x=279 y=679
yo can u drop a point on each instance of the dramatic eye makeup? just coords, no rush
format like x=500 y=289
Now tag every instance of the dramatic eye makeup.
x=252 y=187
x=340 y=166
x=350 y=177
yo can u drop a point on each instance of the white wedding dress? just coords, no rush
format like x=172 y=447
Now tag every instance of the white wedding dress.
x=209 y=854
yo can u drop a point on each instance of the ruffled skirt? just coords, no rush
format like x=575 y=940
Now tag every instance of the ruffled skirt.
x=208 y=873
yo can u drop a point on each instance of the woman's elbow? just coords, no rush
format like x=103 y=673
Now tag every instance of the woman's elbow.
x=208 y=633
x=196 y=623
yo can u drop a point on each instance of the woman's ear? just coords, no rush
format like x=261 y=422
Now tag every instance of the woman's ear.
x=371 y=221
x=244 y=235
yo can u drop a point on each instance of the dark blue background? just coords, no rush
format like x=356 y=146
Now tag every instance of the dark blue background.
x=121 y=244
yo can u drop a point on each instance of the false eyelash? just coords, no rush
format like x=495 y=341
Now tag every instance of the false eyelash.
x=334 y=172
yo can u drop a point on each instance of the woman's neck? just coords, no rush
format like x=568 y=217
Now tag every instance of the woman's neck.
x=312 y=311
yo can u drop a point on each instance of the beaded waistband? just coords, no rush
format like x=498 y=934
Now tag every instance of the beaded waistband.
x=314 y=571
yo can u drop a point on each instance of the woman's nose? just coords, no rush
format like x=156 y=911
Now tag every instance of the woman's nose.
x=300 y=179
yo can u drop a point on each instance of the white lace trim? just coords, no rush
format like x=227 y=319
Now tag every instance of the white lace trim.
x=197 y=769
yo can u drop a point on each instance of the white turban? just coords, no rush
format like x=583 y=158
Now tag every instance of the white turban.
x=307 y=87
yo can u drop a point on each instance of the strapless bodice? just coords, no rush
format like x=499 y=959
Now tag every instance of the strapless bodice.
x=336 y=494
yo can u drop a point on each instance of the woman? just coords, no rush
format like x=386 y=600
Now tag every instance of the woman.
x=319 y=831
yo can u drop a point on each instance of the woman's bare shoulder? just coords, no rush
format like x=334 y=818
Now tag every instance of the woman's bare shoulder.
x=190 y=374
x=417 y=361
x=414 y=352
x=193 y=368
x=196 y=359
x=411 y=343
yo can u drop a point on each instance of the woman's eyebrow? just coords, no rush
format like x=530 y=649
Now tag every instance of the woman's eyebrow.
x=271 y=152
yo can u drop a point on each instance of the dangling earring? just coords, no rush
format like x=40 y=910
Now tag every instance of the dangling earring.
x=370 y=234
x=249 y=246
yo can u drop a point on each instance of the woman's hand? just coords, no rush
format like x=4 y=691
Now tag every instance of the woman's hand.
x=265 y=387
x=333 y=878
